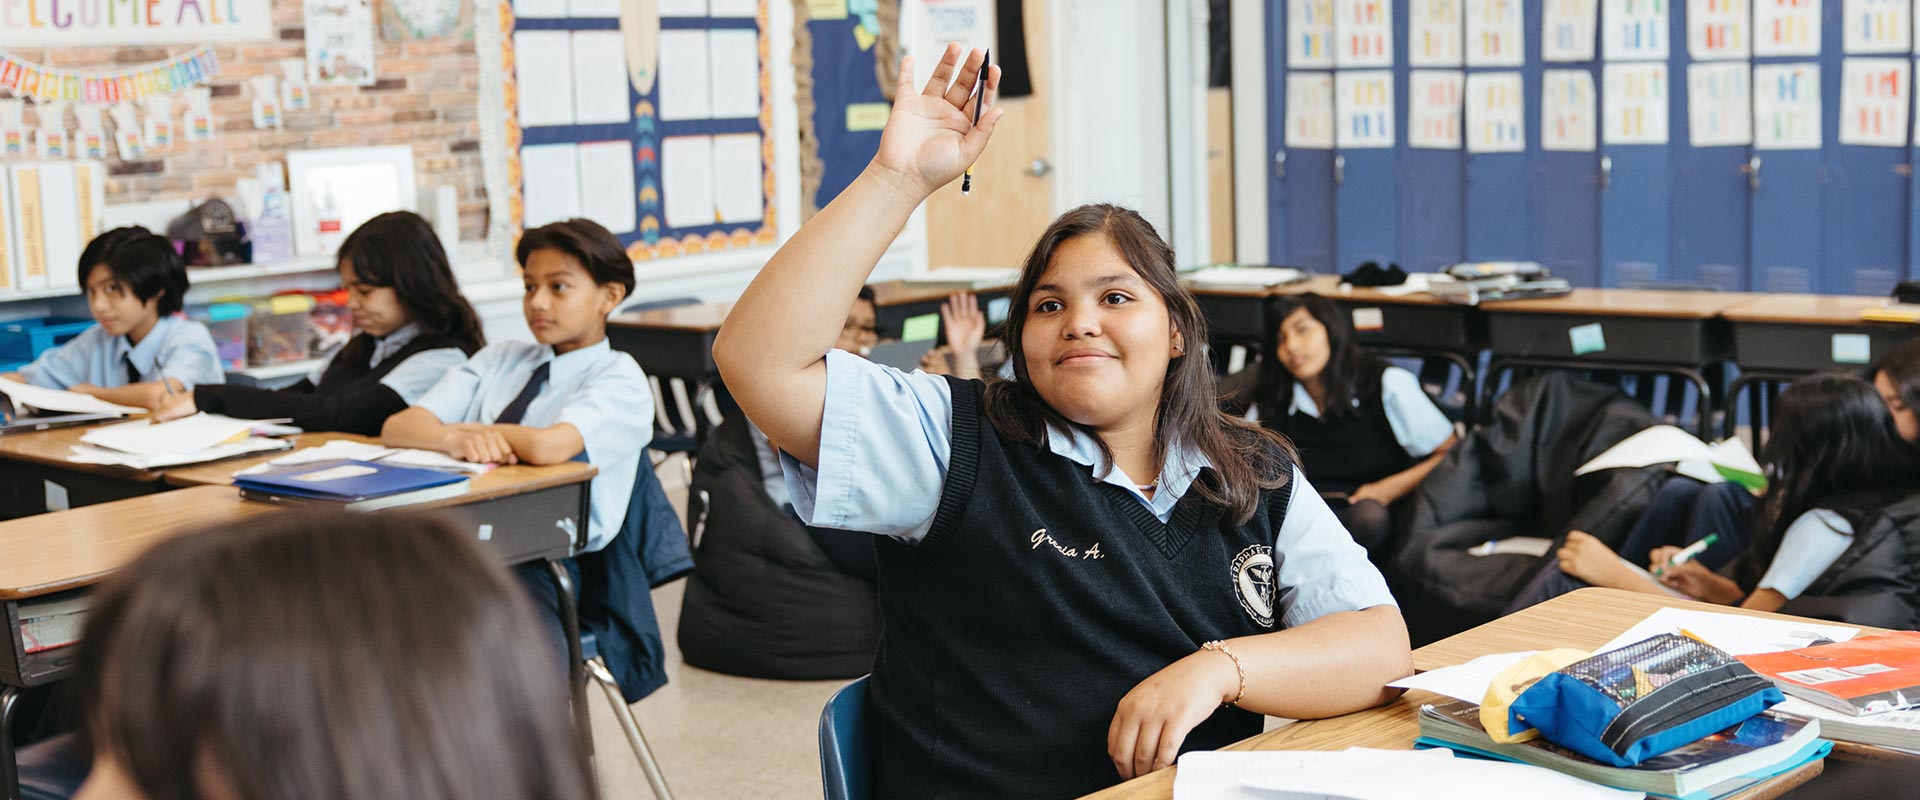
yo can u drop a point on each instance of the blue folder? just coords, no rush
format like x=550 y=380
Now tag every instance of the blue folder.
x=311 y=481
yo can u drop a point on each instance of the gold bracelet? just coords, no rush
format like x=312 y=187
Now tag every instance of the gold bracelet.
x=1221 y=647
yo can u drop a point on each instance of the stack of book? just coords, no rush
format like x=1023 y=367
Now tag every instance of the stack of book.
x=1859 y=690
x=352 y=485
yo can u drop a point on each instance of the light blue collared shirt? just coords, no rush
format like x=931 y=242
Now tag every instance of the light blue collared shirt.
x=410 y=378
x=886 y=442
x=598 y=389
x=1418 y=425
x=175 y=348
x=1811 y=544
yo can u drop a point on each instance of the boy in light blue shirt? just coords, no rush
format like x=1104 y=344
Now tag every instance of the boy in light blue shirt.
x=135 y=283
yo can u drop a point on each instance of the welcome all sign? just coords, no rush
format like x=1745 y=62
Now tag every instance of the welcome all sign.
x=53 y=23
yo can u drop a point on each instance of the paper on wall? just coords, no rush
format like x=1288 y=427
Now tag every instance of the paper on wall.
x=1635 y=30
x=1568 y=30
x=686 y=91
x=737 y=178
x=1363 y=33
x=1434 y=108
x=550 y=183
x=606 y=184
x=1719 y=105
x=1873 y=101
x=1877 y=26
x=1496 y=113
x=543 y=75
x=1718 y=29
x=1309 y=34
x=1435 y=36
x=1634 y=103
x=1495 y=33
x=1786 y=27
x=1363 y=105
x=1567 y=108
x=686 y=177
x=1310 y=110
x=1786 y=106
x=599 y=78
x=734 y=68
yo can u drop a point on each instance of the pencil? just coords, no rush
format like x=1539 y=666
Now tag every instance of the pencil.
x=980 y=101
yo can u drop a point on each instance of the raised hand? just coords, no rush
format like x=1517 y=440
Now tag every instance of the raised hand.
x=930 y=137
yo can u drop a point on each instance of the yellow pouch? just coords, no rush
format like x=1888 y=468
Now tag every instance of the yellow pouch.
x=1513 y=680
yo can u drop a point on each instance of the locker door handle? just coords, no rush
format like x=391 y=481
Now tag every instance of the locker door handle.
x=1280 y=164
x=1752 y=169
x=1339 y=170
x=1606 y=172
x=1903 y=170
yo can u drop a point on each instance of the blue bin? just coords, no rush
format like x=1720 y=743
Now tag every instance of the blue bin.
x=26 y=339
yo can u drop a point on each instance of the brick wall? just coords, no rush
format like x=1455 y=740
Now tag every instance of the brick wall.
x=425 y=97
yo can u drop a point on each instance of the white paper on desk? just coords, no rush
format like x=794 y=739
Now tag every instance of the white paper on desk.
x=686 y=91
x=1250 y=277
x=737 y=178
x=431 y=460
x=338 y=449
x=606 y=185
x=1656 y=445
x=543 y=73
x=550 y=183
x=686 y=180
x=1417 y=283
x=1467 y=681
x=86 y=454
x=733 y=64
x=600 y=78
x=45 y=399
x=188 y=435
x=1367 y=774
x=1735 y=633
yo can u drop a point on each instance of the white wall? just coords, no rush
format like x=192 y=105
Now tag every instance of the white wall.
x=1110 y=110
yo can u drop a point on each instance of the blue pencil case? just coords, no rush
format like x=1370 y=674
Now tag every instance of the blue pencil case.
x=1624 y=706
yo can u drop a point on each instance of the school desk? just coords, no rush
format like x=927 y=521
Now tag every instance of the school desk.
x=1780 y=337
x=895 y=302
x=29 y=461
x=672 y=342
x=1584 y=619
x=1675 y=333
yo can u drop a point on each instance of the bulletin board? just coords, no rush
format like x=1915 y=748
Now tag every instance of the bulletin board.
x=683 y=165
x=841 y=49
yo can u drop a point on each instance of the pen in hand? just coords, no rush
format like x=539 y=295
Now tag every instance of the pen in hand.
x=1688 y=553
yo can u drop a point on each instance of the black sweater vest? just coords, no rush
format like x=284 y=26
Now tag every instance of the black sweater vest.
x=349 y=397
x=1341 y=453
x=1038 y=599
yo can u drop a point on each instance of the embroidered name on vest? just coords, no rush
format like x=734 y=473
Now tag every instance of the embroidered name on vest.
x=1041 y=537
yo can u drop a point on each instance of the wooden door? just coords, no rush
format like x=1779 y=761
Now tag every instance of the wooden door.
x=1012 y=182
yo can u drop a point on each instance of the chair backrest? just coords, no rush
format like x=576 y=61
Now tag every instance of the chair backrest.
x=846 y=751
x=655 y=305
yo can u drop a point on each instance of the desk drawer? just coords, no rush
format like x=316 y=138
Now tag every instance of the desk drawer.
x=526 y=527
x=687 y=355
x=1785 y=347
x=1456 y=329
x=21 y=668
x=1638 y=340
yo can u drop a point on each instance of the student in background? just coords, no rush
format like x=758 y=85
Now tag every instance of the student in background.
x=365 y=655
x=413 y=328
x=1078 y=567
x=965 y=325
x=135 y=283
x=566 y=396
x=1367 y=433
x=1833 y=461
x=1896 y=374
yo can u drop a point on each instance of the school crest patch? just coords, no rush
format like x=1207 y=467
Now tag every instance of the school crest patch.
x=1253 y=582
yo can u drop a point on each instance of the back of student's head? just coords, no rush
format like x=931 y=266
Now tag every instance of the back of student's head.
x=1188 y=412
x=400 y=250
x=145 y=262
x=1351 y=371
x=312 y=656
x=596 y=248
x=1831 y=445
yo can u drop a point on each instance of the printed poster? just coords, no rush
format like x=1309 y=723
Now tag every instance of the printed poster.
x=1433 y=108
x=1635 y=30
x=1719 y=105
x=1873 y=101
x=1786 y=106
x=1434 y=40
x=1567 y=111
x=1363 y=109
x=1496 y=113
x=1786 y=27
x=1495 y=36
x=1634 y=104
x=1717 y=29
x=340 y=42
x=1309 y=34
x=1310 y=110
x=1877 y=26
x=1568 y=30
x=1363 y=33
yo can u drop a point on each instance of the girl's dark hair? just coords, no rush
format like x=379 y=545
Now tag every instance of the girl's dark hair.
x=143 y=260
x=1246 y=458
x=595 y=247
x=316 y=656
x=1351 y=370
x=1902 y=366
x=1833 y=445
x=400 y=250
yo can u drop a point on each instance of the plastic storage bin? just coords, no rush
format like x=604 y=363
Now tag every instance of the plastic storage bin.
x=26 y=339
x=228 y=324
x=330 y=325
x=277 y=331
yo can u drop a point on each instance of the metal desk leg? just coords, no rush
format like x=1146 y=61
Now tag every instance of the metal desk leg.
x=576 y=665
x=9 y=766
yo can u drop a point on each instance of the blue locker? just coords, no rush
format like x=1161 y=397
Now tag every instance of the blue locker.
x=1789 y=223
x=1432 y=183
x=1566 y=225
x=1365 y=207
x=1300 y=181
x=1710 y=193
x=1636 y=204
x=1866 y=210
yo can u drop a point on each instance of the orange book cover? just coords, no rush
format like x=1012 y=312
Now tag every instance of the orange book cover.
x=1874 y=673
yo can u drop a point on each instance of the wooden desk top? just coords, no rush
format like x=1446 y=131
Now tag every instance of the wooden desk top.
x=1584 y=619
x=1804 y=309
x=1624 y=303
x=65 y=550
x=896 y=293
x=698 y=318
x=1327 y=286
x=51 y=447
x=499 y=482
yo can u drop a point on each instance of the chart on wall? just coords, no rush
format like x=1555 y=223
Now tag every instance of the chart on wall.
x=655 y=125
